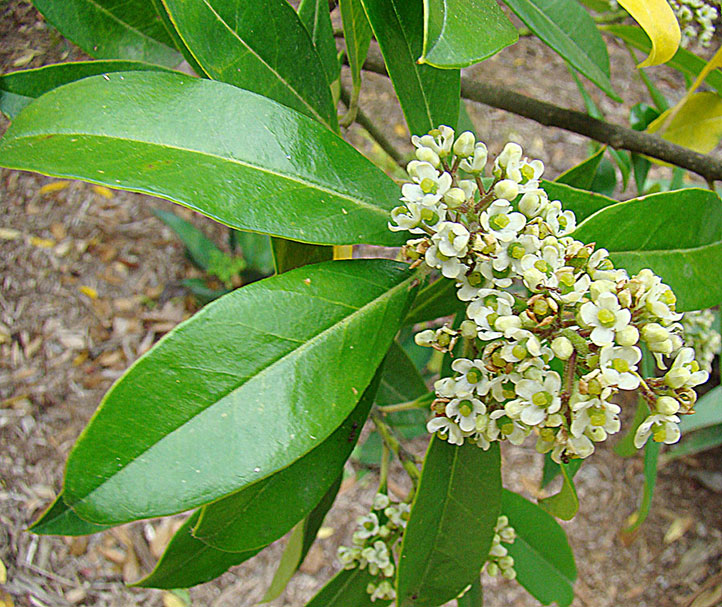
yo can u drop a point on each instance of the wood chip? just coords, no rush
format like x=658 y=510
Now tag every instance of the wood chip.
x=54 y=186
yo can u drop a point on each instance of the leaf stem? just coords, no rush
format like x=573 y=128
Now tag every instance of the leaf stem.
x=417 y=403
x=406 y=459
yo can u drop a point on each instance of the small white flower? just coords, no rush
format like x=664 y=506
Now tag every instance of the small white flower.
x=473 y=376
x=685 y=371
x=445 y=387
x=447 y=429
x=502 y=221
x=475 y=165
x=663 y=428
x=381 y=501
x=368 y=526
x=464 y=411
x=429 y=185
x=398 y=514
x=536 y=399
x=619 y=366
x=606 y=317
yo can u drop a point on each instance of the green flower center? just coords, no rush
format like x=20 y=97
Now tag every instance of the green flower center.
x=473 y=376
x=519 y=351
x=499 y=222
x=540 y=307
x=541 y=265
x=527 y=173
x=606 y=317
x=475 y=279
x=542 y=399
x=620 y=365
x=491 y=318
x=507 y=429
x=428 y=185
x=547 y=435
x=517 y=251
x=465 y=408
x=598 y=418
x=429 y=216
x=659 y=434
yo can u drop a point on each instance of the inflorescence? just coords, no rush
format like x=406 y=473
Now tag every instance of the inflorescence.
x=553 y=330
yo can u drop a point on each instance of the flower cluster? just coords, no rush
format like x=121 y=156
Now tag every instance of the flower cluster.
x=553 y=330
x=696 y=20
x=499 y=560
x=699 y=332
x=373 y=543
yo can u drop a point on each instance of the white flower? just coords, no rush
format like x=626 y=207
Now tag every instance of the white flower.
x=509 y=429
x=475 y=165
x=406 y=217
x=619 y=366
x=471 y=284
x=451 y=238
x=349 y=556
x=663 y=428
x=536 y=399
x=473 y=375
x=398 y=514
x=685 y=371
x=464 y=411
x=606 y=317
x=383 y=591
x=524 y=343
x=440 y=141
x=572 y=287
x=560 y=222
x=486 y=310
x=368 y=526
x=590 y=412
x=445 y=387
x=502 y=221
x=450 y=267
x=429 y=185
x=378 y=558
x=447 y=429
x=381 y=501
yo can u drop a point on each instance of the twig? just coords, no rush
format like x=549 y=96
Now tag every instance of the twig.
x=396 y=447
x=618 y=137
x=364 y=121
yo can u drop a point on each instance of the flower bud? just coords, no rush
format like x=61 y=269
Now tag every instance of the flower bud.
x=425 y=338
x=628 y=336
x=505 y=323
x=468 y=329
x=531 y=203
x=562 y=348
x=600 y=286
x=454 y=198
x=661 y=347
x=476 y=164
x=677 y=377
x=506 y=189
x=666 y=405
x=654 y=332
x=428 y=155
x=464 y=144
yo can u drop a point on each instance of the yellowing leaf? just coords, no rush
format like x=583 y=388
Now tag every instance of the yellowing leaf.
x=696 y=125
x=43 y=243
x=3 y=573
x=658 y=20
x=89 y=291
x=54 y=186
x=103 y=191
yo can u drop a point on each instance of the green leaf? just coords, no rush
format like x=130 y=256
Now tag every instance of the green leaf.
x=357 y=33
x=651 y=456
x=244 y=160
x=400 y=381
x=582 y=175
x=568 y=29
x=700 y=440
x=256 y=250
x=686 y=62
x=565 y=504
x=347 y=589
x=187 y=561
x=316 y=18
x=18 y=89
x=552 y=469
x=650 y=232
x=108 y=29
x=605 y=179
x=258 y=514
x=429 y=96
x=302 y=537
x=708 y=412
x=289 y=254
x=582 y=202
x=474 y=597
x=59 y=519
x=200 y=248
x=192 y=417
x=435 y=300
x=173 y=33
x=543 y=561
x=258 y=46
x=452 y=521
x=459 y=33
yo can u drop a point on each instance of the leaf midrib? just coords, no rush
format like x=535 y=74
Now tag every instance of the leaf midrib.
x=287 y=177
x=304 y=346
x=125 y=24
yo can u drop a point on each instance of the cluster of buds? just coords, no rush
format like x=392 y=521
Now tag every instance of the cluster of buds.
x=553 y=329
x=499 y=560
x=696 y=20
x=373 y=542
x=700 y=333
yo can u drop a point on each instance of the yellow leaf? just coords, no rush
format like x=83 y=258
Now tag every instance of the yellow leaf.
x=3 y=573
x=54 y=186
x=696 y=125
x=658 y=20
x=89 y=291
x=43 y=243
x=342 y=251
x=103 y=191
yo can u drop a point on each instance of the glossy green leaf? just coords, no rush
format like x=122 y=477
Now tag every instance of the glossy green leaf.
x=113 y=29
x=452 y=521
x=429 y=96
x=551 y=469
x=708 y=412
x=474 y=597
x=695 y=442
x=199 y=247
x=59 y=519
x=582 y=202
x=246 y=161
x=315 y=16
x=162 y=12
x=685 y=61
x=256 y=250
x=651 y=457
x=435 y=300
x=256 y=515
x=357 y=34
x=459 y=33
x=565 y=504
x=347 y=589
x=18 y=89
x=582 y=175
x=682 y=248
x=300 y=542
x=192 y=417
x=605 y=179
x=567 y=28
x=258 y=46
x=543 y=561
x=187 y=561
x=289 y=254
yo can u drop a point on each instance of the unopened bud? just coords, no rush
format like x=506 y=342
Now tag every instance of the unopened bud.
x=562 y=348
x=464 y=144
x=666 y=405
x=654 y=332
x=600 y=286
x=505 y=323
x=531 y=203
x=425 y=338
x=468 y=329
x=661 y=347
x=428 y=155
x=628 y=336
x=454 y=198
x=506 y=189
